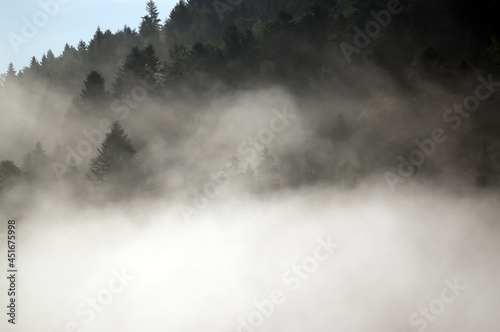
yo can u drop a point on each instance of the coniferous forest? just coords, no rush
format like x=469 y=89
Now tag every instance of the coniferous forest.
x=363 y=106
x=258 y=125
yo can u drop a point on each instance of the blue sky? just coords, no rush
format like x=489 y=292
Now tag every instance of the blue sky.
x=72 y=21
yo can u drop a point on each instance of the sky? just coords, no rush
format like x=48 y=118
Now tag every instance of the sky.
x=69 y=21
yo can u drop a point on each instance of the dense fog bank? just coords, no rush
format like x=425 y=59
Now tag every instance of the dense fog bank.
x=392 y=255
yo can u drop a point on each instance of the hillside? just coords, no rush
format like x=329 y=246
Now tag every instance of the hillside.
x=372 y=82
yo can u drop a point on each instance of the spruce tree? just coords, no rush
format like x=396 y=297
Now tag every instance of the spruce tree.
x=9 y=174
x=232 y=42
x=82 y=46
x=150 y=25
x=129 y=74
x=37 y=163
x=94 y=91
x=115 y=161
x=267 y=171
x=179 y=18
x=138 y=66
x=151 y=61
x=98 y=37
x=153 y=14
x=50 y=56
x=10 y=76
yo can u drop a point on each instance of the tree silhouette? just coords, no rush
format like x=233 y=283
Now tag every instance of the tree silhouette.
x=94 y=91
x=115 y=162
x=232 y=42
x=138 y=66
x=10 y=76
x=130 y=74
x=9 y=174
x=82 y=46
x=95 y=47
x=153 y=14
x=267 y=171
x=249 y=177
x=150 y=25
x=34 y=64
x=98 y=36
x=179 y=18
x=151 y=61
x=36 y=164
x=50 y=57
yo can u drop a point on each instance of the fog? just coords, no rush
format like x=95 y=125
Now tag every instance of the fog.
x=393 y=254
x=260 y=179
x=190 y=258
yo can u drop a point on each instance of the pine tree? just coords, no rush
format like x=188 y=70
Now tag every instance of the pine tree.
x=249 y=177
x=98 y=37
x=234 y=164
x=94 y=91
x=38 y=155
x=135 y=62
x=82 y=46
x=151 y=61
x=179 y=18
x=44 y=62
x=153 y=14
x=9 y=174
x=37 y=163
x=94 y=49
x=68 y=51
x=34 y=68
x=50 y=56
x=10 y=76
x=232 y=42
x=150 y=25
x=34 y=63
x=138 y=65
x=9 y=169
x=267 y=163
x=267 y=172
x=128 y=74
x=115 y=160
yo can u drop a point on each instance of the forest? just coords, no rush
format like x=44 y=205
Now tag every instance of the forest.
x=374 y=101
x=255 y=166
